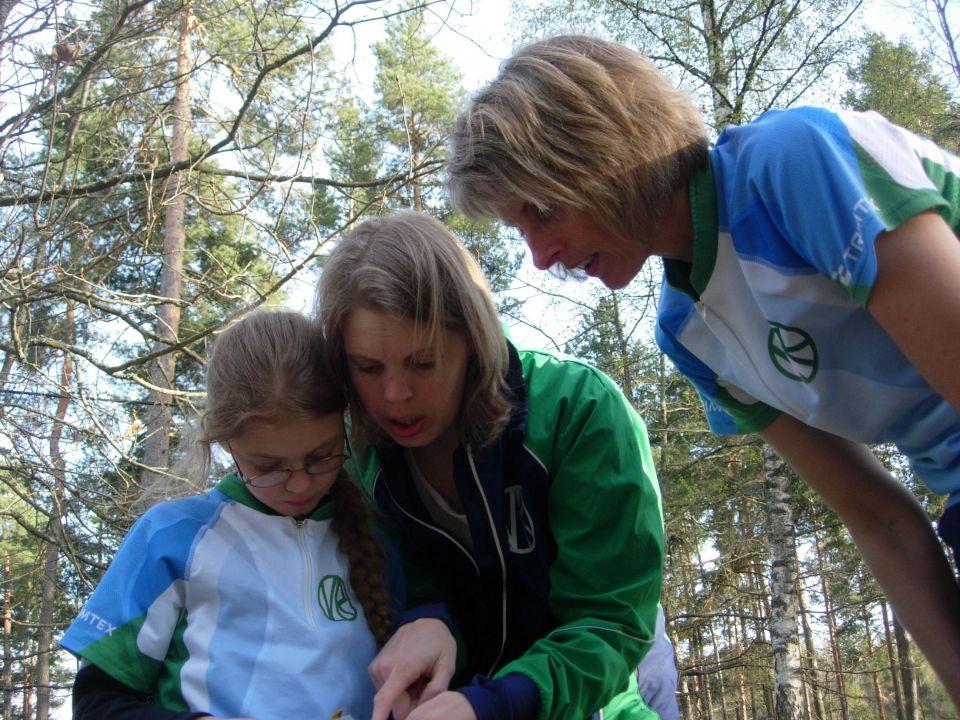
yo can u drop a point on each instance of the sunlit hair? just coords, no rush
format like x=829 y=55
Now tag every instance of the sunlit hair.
x=410 y=265
x=582 y=122
x=270 y=367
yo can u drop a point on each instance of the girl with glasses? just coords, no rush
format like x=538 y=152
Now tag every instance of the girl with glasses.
x=520 y=485
x=264 y=597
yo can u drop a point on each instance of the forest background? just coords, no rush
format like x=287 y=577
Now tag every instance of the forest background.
x=166 y=165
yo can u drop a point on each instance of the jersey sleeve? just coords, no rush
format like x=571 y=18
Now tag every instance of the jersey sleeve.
x=832 y=182
x=605 y=515
x=126 y=626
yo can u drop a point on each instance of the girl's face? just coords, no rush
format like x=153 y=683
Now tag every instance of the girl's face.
x=291 y=445
x=409 y=389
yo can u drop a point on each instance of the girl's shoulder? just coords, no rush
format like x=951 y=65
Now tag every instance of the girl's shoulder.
x=181 y=512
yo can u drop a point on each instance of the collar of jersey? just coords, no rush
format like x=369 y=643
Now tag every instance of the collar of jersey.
x=693 y=278
x=703 y=212
x=235 y=489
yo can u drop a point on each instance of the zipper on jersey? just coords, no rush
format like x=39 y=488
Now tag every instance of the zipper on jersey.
x=711 y=318
x=307 y=561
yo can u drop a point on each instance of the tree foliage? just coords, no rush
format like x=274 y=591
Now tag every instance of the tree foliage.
x=899 y=82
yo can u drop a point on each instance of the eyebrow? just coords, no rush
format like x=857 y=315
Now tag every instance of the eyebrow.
x=255 y=457
x=425 y=350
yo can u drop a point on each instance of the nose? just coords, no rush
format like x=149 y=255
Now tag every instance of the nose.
x=298 y=481
x=396 y=388
x=543 y=248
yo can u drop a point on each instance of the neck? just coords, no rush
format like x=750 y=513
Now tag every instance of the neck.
x=674 y=237
x=435 y=463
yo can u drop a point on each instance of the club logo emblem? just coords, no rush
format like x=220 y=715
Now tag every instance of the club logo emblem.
x=334 y=600
x=520 y=533
x=793 y=352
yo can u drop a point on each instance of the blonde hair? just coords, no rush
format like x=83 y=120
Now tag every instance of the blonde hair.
x=412 y=266
x=270 y=367
x=581 y=122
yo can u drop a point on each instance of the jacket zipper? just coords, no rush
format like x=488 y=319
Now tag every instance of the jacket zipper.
x=503 y=564
x=307 y=572
x=417 y=520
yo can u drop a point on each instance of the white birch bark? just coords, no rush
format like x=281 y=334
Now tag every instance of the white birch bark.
x=784 y=604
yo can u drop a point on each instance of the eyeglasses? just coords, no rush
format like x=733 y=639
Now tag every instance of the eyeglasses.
x=321 y=466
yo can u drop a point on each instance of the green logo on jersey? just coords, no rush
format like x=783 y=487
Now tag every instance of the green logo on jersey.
x=334 y=600
x=793 y=352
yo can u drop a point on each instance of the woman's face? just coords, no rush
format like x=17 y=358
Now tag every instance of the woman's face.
x=411 y=390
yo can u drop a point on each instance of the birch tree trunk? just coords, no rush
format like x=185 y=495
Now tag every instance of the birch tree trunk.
x=783 y=555
x=157 y=444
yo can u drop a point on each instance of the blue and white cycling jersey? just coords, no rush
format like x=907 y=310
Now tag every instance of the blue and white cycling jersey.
x=216 y=604
x=771 y=315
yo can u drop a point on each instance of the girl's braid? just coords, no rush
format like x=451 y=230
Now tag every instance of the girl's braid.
x=365 y=556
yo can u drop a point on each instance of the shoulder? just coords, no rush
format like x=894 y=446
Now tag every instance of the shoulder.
x=364 y=467
x=196 y=508
x=564 y=393
x=784 y=140
x=776 y=127
x=169 y=527
x=555 y=375
x=571 y=402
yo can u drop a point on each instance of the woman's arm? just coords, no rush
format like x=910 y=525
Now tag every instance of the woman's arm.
x=414 y=666
x=892 y=532
x=606 y=521
x=916 y=298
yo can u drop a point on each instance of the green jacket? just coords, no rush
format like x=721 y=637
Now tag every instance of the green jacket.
x=558 y=595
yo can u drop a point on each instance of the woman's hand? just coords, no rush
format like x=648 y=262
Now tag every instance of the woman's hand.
x=413 y=667
x=449 y=705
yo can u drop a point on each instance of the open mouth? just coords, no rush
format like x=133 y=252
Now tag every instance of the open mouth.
x=584 y=264
x=579 y=271
x=405 y=427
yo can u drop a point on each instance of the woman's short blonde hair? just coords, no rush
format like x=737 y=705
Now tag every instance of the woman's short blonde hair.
x=582 y=122
x=410 y=265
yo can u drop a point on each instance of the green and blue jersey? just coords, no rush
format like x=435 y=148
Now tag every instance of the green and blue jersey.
x=771 y=315
x=216 y=604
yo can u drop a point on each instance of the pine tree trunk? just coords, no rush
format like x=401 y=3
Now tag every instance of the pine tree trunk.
x=6 y=677
x=814 y=684
x=681 y=678
x=878 y=694
x=832 y=630
x=783 y=586
x=716 y=662
x=907 y=682
x=26 y=704
x=51 y=552
x=626 y=376
x=894 y=674
x=157 y=444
